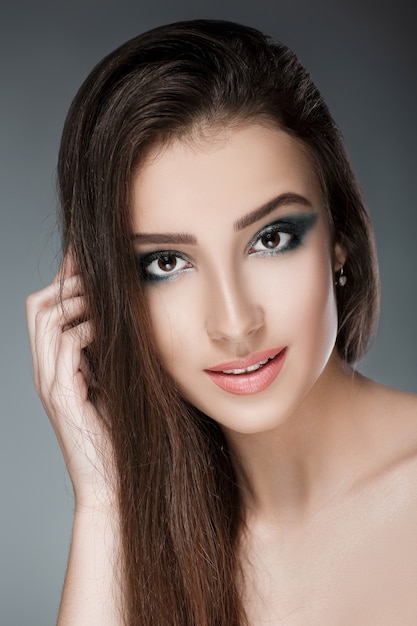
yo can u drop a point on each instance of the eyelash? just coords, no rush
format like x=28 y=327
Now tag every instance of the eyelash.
x=146 y=260
x=294 y=230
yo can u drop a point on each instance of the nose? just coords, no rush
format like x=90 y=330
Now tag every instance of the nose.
x=233 y=315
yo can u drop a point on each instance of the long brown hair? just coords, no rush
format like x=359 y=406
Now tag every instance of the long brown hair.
x=179 y=500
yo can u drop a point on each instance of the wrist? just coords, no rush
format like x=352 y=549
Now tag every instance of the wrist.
x=95 y=500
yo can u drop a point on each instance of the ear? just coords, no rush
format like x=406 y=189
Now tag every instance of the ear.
x=340 y=257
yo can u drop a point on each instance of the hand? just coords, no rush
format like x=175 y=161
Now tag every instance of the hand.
x=58 y=332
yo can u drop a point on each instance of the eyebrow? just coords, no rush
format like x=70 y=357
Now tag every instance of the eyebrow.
x=175 y=238
x=243 y=222
x=267 y=208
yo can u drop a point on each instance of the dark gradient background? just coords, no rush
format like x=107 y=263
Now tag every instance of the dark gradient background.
x=362 y=54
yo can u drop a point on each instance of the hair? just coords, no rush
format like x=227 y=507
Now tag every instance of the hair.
x=179 y=500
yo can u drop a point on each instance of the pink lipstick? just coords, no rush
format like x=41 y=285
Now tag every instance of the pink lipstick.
x=249 y=375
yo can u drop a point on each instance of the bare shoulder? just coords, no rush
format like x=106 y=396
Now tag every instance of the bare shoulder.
x=398 y=403
x=391 y=416
x=390 y=408
x=379 y=521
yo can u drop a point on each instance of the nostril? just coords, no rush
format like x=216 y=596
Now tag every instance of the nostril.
x=236 y=327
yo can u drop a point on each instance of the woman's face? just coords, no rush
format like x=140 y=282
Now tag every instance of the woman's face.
x=234 y=250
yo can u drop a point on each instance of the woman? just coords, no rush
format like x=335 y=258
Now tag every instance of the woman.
x=195 y=353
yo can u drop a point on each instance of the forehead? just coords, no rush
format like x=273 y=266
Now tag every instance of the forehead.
x=220 y=175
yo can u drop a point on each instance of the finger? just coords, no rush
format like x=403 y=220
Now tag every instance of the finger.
x=53 y=295
x=38 y=318
x=71 y=361
x=69 y=264
x=73 y=312
x=81 y=335
x=67 y=268
x=57 y=353
x=71 y=287
x=51 y=323
x=50 y=296
x=86 y=371
x=47 y=325
x=45 y=347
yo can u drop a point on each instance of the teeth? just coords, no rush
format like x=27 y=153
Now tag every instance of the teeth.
x=251 y=368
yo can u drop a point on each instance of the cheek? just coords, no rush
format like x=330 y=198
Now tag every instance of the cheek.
x=173 y=322
x=302 y=301
x=313 y=313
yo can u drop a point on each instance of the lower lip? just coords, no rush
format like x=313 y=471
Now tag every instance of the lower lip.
x=250 y=382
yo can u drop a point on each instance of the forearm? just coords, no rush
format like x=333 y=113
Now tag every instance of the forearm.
x=92 y=593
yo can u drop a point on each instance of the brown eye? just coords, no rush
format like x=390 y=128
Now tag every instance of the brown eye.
x=163 y=265
x=167 y=263
x=271 y=240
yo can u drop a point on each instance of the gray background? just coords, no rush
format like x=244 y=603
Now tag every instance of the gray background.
x=363 y=57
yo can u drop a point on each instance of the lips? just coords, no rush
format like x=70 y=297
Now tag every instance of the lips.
x=250 y=375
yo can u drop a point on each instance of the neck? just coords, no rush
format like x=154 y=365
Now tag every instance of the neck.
x=292 y=472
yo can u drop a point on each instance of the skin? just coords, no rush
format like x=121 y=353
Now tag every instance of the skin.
x=232 y=303
x=326 y=458
x=321 y=457
x=91 y=594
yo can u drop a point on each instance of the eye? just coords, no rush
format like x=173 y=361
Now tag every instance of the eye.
x=274 y=240
x=282 y=236
x=163 y=265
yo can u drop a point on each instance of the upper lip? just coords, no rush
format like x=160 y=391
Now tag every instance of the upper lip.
x=247 y=361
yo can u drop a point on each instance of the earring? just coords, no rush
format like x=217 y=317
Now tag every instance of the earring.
x=342 y=280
